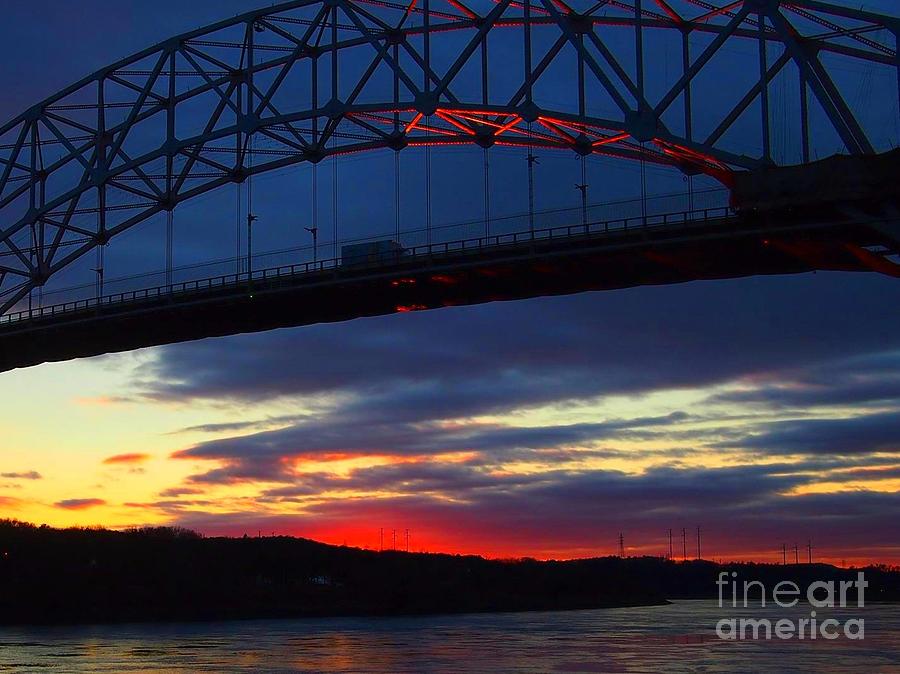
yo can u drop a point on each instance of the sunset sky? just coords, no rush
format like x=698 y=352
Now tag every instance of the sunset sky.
x=764 y=410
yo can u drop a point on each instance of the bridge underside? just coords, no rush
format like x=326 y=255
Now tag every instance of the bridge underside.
x=727 y=247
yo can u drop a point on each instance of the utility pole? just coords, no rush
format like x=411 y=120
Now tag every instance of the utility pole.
x=393 y=539
x=407 y=540
x=381 y=539
x=809 y=552
x=621 y=545
x=683 y=544
x=784 y=554
x=796 y=554
x=698 y=543
x=671 y=555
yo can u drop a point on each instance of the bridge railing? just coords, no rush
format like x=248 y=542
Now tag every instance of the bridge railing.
x=472 y=245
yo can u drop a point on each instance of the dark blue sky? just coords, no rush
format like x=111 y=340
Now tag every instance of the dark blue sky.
x=50 y=45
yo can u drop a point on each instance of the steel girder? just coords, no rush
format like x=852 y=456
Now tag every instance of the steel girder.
x=310 y=79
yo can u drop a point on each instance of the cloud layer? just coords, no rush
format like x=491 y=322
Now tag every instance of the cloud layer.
x=497 y=425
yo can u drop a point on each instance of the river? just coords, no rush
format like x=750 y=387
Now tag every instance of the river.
x=676 y=638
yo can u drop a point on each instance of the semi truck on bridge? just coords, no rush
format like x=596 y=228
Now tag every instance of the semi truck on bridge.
x=371 y=253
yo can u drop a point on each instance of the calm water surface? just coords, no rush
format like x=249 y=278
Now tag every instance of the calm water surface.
x=677 y=638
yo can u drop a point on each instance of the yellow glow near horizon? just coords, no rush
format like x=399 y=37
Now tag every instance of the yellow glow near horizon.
x=78 y=414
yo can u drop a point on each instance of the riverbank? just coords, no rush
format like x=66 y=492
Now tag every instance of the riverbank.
x=98 y=576
x=87 y=576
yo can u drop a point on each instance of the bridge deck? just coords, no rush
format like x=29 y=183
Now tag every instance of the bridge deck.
x=663 y=249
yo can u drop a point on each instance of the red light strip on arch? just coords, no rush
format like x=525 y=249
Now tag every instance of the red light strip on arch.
x=456 y=127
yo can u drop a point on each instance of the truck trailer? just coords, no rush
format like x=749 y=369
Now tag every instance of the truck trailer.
x=371 y=253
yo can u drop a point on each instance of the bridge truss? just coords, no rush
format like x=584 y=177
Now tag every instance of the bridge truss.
x=310 y=79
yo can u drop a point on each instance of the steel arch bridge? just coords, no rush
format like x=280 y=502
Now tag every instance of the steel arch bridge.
x=312 y=79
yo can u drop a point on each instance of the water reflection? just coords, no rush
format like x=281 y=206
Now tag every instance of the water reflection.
x=676 y=638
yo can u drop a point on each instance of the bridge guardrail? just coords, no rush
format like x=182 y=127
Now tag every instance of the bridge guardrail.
x=237 y=280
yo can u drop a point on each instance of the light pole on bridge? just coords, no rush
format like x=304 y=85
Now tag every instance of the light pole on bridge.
x=99 y=272
x=315 y=237
x=583 y=188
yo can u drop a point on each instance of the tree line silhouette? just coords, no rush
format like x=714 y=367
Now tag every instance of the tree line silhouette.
x=50 y=575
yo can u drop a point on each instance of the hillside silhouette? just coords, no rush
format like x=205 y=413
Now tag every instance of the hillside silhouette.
x=52 y=575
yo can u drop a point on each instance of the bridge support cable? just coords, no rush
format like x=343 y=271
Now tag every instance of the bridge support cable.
x=487 y=167
x=639 y=45
x=315 y=201
x=397 y=196
x=532 y=160
x=689 y=182
x=428 y=190
x=804 y=116
x=396 y=101
x=764 y=89
x=643 y=186
x=334 y=207
x=830 y=98
x=99 y=271
x=31 y=259
x=639 y=71
x=238 y=221
x=487 y=193
x=688 y=109
x=170 y=216
x=251 y=217
x=582 y=155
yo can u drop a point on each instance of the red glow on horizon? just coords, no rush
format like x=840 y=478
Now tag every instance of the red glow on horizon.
x=493 y=544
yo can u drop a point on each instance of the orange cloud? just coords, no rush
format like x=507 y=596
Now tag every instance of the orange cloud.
x=9 y=502
x=126 y=458
x=80 y=503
